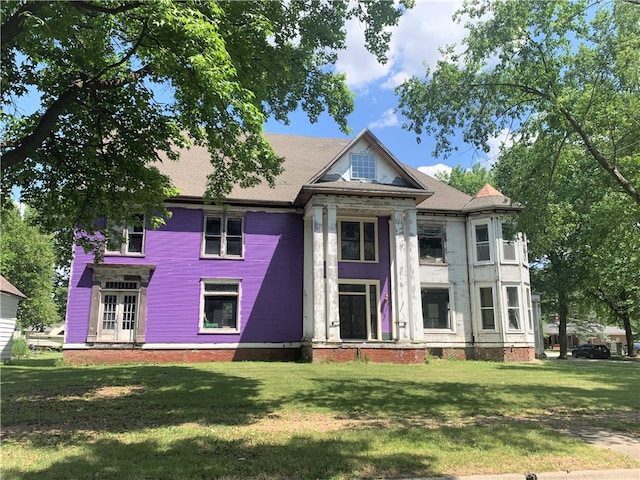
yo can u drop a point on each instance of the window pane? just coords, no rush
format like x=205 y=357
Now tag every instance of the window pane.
x=109 y=303
x=430 y=249
x=482 y=233
x=234 y=226
x=350 y=231
x=509 y=250
x=357 y=288
x=435 y=308
x=350 y=250
x=129 y=312
x=212 y=246
x=213 y=226
x=220 y=311
x=221 y=287
x=486 y=307
x=135 y=243
x=486 y=297
x=483 y=253
x=373 y=309
x=488 y=322
x=234 y=246
x=513 y=309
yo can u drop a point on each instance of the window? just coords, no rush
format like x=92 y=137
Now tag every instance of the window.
x=529 y=309
x=118 y=311
x=363 y=167
x=223 y=236
x=431 y=243
x=220 y=306
x=358 y=310
x=127 y=240
x=509 y=243
x=435 y=308
x=483 y=246
x=513 y=308
x=486 y=308
x=358 y=241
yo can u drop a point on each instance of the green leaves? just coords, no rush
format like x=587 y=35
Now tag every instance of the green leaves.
x=118 y=84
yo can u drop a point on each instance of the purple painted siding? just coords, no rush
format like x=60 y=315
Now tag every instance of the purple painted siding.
x=375 y=271
x=270 y=288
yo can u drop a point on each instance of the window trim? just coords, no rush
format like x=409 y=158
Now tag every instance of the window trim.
x=481 y=308
x=488 y=223
x=365 y=178
x=125 y=232
x=507 y=308
x=443 y=239
x=224 y=218
x=201 y=317
x=450 y=311
x=361 y=221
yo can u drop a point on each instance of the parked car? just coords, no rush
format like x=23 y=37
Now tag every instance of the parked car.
x=591 y=351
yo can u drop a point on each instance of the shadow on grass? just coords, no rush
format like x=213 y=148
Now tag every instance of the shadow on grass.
x=123 y=399
x=210 y=457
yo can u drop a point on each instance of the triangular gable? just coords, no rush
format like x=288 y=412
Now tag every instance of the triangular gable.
x=355 y=158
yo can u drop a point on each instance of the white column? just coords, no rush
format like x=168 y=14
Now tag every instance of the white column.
x=319 y=317
x=413 y=275
x=333 y=313
x=401 y=294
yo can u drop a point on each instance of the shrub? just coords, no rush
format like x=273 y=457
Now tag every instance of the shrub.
x=20 y=348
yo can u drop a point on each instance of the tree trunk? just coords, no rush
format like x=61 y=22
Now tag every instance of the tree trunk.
x=631 y=351
x=563 y=310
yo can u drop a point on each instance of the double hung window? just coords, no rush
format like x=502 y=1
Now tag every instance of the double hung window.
x=514 y=314
x=127 y=240
x=358 y=241
x=223 y=236
x=220 y=310
x=482 y=242
x=487 y=310
x=431 y=243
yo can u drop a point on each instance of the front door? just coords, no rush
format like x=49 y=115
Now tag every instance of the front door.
x=118 y=317
x=358 y=311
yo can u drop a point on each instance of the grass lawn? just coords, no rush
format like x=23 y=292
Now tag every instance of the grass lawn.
x=288 y=420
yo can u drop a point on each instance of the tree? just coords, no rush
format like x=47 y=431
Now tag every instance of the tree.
x=28 y=261
x=465 y=180
x=123 y=84
x=567 y=68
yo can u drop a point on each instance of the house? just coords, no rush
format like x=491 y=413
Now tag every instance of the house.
x=10 y=296
x=614 y=337
x=353 y=255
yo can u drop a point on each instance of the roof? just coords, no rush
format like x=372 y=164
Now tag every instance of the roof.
x=306 y=159
x=488 y=198
x=7 y=287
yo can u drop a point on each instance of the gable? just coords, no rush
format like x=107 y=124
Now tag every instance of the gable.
x=363 y=163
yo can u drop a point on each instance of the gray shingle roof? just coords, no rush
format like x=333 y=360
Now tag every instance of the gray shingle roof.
x=305 y=157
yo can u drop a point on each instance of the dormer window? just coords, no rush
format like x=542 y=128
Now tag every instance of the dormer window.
x=363 y=167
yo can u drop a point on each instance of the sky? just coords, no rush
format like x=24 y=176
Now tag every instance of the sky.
x=415 y=41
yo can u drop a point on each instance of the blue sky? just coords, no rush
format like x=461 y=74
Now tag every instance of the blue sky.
x=416 y=39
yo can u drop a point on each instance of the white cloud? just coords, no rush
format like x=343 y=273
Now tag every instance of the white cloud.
x=504 y=139
x=414 y=42
x=388 y=119
x=431 y=170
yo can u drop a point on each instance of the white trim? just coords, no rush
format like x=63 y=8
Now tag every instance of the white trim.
x=219 y=330
x=516 y=247
x=490 y=233
x=521 y=318
x=213 y=209
x=224 y=217
x=367 y=293
x=496 y=312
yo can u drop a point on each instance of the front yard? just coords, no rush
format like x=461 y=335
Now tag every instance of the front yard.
x=288 y=421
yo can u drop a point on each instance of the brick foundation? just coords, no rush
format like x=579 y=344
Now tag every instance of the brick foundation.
x=374 y=355
x=112 y=356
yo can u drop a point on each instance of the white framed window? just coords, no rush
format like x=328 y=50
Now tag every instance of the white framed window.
x=482 y=242
x=363 y=166
x=358 y=240
x=431 y=242
x=220 y=306
x=118 y=311
x=514 y=311
x=487 y=308
x=436 y=308
x=223 y=236
x=358 y=303
x=128 y=239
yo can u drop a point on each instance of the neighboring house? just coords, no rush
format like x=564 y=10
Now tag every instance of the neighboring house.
x=352 y=255
x=614 y=337
x=10 y=296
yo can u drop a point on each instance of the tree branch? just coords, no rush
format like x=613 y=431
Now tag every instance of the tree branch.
x=95 y=7
x=599 y=157
x=14 y=25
